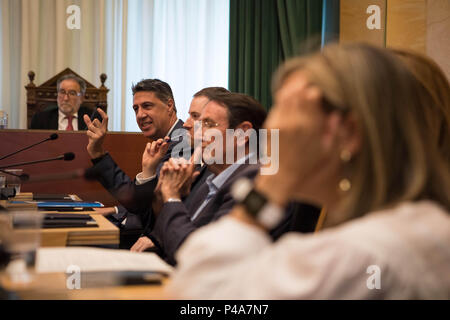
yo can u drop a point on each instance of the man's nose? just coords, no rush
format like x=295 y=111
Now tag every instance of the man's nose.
x=140 y=114
x=188 y=124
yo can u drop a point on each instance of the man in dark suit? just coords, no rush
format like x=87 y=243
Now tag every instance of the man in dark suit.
x=68 y=114
x=156 y=116
x=179 y=217
x=199 y=100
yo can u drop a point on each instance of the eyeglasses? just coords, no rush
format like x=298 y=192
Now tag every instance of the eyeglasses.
x=70 y=93
x=209 y=123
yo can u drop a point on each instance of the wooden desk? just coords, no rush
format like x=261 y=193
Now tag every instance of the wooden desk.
x=105 y=234
x=52 y=286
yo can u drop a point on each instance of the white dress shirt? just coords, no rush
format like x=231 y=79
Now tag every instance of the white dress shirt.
x=405 y=251
x=63 y=121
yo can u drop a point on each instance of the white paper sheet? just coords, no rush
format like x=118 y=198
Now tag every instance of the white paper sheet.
x=97 y=259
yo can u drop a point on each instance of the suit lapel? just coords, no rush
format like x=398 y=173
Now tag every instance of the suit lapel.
x=81 y=112
x=214 y=204
x=81 y=124
x=197 y=199
x=199 y=191
x=53 y=123
x=178 y=135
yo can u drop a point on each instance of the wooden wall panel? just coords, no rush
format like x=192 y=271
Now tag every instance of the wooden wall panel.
x=125 y=148
x=438 y=33
x=419 y=25
x=353 y=22
x=406 y=24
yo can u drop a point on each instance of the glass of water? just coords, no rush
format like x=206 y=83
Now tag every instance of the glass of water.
x=3 y=120
x=2 y=180
x=13 y=179
x=20 y=239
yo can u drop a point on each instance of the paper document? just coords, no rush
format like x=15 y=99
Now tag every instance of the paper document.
x=97 y=259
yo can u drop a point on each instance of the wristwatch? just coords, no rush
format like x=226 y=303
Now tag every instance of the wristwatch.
x=256 y=203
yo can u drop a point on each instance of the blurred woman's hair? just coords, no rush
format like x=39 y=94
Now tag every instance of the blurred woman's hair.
x=398 y=161
x=435 y=97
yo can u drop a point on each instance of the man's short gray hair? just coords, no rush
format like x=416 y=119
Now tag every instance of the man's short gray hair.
x=80 y=81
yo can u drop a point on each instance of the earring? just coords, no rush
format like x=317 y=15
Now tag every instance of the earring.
x=346 y=155
x=345 y=184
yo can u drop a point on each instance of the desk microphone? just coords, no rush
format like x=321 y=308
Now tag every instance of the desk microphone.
x=89 y=174
x=53 y=136
x=69 y=156
x=23 y=176
x=78 y=173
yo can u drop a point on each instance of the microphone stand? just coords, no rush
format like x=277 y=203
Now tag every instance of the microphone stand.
x=67 y=157
x=53 y=136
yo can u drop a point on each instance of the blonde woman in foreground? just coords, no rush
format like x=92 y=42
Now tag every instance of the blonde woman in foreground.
x=352 y=139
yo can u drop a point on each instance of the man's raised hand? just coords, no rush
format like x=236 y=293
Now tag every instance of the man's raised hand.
x=96 y=132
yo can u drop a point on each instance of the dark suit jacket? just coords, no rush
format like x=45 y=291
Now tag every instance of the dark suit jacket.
x=134 y=198
x=173 y=224
x=148 y=218
x=141 y=224
x=48 y=120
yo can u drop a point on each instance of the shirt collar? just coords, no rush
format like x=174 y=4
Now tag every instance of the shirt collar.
x=171 y=129
x=62 y=115
x=222 y=177
x=210 y=183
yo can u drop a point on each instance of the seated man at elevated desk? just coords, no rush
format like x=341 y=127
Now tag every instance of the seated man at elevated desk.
x=69 y=113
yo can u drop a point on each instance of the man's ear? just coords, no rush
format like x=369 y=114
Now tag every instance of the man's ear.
x=244 y=126
x=170 y=104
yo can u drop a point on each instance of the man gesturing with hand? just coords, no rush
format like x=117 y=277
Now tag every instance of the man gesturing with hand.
x=96 y=133
x=155 y=111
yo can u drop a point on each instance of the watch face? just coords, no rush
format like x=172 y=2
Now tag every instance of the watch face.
x=254 y=202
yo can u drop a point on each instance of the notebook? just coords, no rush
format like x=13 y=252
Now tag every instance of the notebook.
x=58 y=220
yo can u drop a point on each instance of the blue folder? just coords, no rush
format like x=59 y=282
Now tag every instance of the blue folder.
x=64 y=204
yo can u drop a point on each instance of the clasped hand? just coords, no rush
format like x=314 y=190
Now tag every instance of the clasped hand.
x=176 y=177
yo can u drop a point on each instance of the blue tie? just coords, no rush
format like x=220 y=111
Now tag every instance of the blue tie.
x=212 y=192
